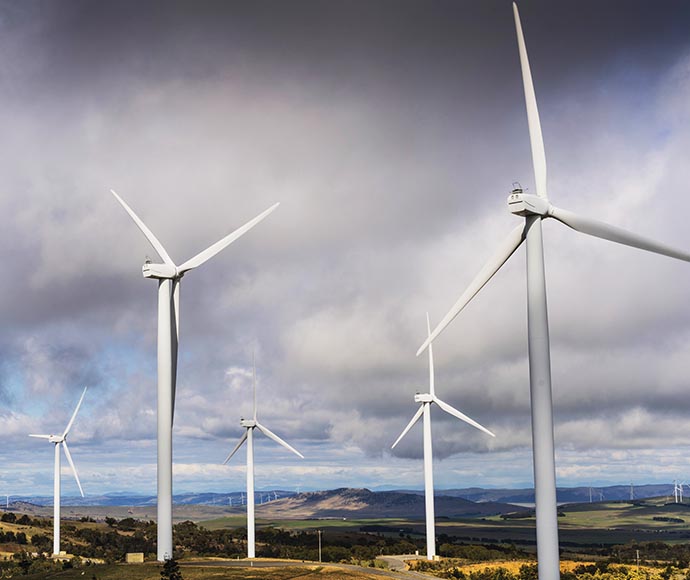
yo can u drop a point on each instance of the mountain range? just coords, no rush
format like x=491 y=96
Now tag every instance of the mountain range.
x=484 y=501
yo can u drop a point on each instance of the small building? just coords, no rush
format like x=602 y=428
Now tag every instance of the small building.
x=134 y=557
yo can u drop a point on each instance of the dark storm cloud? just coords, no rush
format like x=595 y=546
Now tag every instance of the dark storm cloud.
x=390 y=132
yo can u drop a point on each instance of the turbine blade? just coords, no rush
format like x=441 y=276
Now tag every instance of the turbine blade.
x=39 y=436
x=74 y=415
x=208 y=253
x=509 y=245
x=174 y=338
x=414 y=419
x=71 y=464
x=239 y=444
x=431 y=357
x=605 y=231
x=254 y=380
x=452 y=411
x=271 y=435
x=153 y=240
x=535 y=136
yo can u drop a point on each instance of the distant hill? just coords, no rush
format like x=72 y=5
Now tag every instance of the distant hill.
x=357 y=499
x=363 y=503
x=134 y=500
x=563 y=494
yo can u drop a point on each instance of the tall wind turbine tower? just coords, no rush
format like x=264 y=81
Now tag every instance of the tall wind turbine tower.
x=426 y=400
x=61 y=441
x=534 y=209
x=250 y=425
x=169 y=277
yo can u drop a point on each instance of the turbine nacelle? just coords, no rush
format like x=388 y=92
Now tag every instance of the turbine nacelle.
x=248 y=423
x=423 y=398
x=56 y=438
x=526 y=204
x=160 y=271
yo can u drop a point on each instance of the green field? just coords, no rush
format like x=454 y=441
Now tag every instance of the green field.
x=580 y=525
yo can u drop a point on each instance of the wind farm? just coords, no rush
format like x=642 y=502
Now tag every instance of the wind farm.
x=388 y=134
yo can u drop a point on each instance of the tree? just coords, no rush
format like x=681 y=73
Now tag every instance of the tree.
x=171 y=570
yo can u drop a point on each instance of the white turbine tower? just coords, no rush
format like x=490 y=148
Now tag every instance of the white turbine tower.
x=58 y=441
x=169 y=277
x=426 y=400
x=250 y=425
x=535 y=208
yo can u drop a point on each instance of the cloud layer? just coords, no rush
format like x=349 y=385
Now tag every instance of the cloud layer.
x=391 y=134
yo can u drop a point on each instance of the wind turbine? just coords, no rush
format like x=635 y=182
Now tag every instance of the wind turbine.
x=535 y=208
x=61 y=440
x=250 y=425
x=169 y=277
x=426 y=400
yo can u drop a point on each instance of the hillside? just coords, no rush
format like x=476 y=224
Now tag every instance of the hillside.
x=563 y=494
x=363 y=503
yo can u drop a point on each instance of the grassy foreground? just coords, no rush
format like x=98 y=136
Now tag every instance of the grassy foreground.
x=152 y=572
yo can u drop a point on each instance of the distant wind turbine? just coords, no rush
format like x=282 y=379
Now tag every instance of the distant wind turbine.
x=535 y=208
x=250 y=425
x=426 y=400
x=169 y=277
x=58 y=441
x=678 y=491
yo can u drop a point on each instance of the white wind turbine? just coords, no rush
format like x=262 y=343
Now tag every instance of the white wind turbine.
x=250 y=425
x=426 y=400
x=169 y=277
x=58 y=441
x=678 y=491
x=535 y=208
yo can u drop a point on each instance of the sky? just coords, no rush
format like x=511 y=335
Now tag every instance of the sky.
x=391 y=133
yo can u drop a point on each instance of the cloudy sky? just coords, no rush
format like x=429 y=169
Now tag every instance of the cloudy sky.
x=390 y=132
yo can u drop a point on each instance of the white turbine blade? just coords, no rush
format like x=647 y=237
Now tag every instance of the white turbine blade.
x=452 y=411
x=208 y=253
x=174 y=337
x=535 y=137
x=239 y=444
x=509 y=245
x=74 y=415
x=39 y=436
x=414 y=419
x=153 y=240
x=431 y=358
x=605 y=231
x=271 y=435
x=254 y=381
x=71 y=464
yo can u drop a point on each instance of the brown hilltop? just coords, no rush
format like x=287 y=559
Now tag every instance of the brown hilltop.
x=364 y=503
